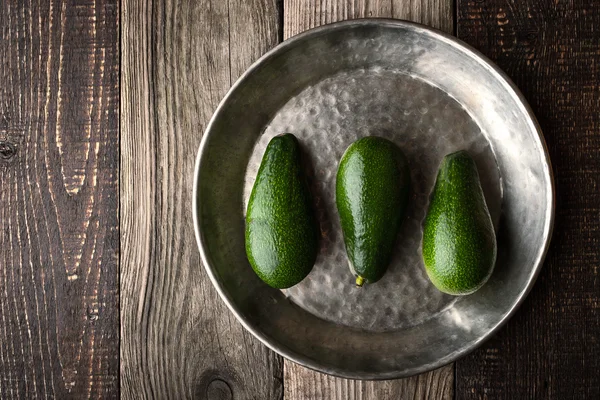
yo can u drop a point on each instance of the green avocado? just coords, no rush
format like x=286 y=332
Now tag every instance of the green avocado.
x=282 y=232
x=372 y=189
x=459 y=243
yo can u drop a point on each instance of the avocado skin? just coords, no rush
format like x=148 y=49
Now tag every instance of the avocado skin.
x=459 y=242
x=282 y=233
x=372 y=190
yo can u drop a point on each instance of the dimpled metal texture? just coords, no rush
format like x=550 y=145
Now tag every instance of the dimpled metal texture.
x=431 y=95
x=426 y=124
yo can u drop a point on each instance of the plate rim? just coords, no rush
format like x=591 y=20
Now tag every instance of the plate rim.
x=469 y=51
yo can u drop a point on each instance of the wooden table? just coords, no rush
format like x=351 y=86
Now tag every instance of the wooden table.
x=102 y=107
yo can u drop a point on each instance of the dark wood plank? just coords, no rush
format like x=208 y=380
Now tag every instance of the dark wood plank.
x=179 y=340
x=551 y=348
x=302 y=383
x=59 y=236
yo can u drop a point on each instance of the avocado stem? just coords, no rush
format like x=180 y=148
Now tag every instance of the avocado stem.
x=359 y=281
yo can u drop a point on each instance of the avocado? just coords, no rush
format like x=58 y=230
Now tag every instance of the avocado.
x=282 y=232
x=372 y=189
x=459 y=242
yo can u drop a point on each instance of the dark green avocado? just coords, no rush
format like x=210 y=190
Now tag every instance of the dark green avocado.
x=372 y=189
x=282 y=232
x=459 y=243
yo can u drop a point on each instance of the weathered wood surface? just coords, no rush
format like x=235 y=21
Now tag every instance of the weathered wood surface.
x=59 y=238
x=302 y=383
x=551 y=348
x=179 y=340
x=300 y=15
x=59 y=199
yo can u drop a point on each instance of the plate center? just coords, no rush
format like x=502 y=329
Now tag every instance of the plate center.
x=426 y=123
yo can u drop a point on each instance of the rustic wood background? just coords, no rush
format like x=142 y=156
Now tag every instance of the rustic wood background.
x=551 y=348
x=59 y=199
x=66 y=174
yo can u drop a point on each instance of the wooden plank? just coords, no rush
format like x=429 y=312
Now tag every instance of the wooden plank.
x=551 y=348
x=302 y=383
x=436 y=13
x=178 y=338
x=300 y=15
x=59 y=238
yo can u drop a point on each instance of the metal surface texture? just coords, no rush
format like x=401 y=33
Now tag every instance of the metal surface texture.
x=431 y=95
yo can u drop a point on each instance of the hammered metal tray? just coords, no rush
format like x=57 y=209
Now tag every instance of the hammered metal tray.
x=431 y=95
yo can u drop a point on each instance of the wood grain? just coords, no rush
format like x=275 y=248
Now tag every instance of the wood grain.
x=59 y=238
x=551 y=348
x=300 y=15
x=436 y=13
x=178 y=338
x=302 y=383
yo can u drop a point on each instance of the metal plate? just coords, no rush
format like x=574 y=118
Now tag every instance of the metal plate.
x=431 y=95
